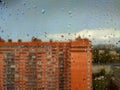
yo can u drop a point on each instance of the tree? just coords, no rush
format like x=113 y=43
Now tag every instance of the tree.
x=95 y=55
x=102 y=72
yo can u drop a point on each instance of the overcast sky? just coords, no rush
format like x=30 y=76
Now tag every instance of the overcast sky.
x=98 y=20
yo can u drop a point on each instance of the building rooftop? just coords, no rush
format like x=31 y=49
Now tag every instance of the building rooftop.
x=36 y=42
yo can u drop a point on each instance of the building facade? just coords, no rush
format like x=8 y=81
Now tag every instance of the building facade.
x=38 y=65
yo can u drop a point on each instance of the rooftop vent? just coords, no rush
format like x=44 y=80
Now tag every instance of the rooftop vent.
x=78 y=38
x=35 y=39
x=19 y=40
x=50 y=40
x=9 y=40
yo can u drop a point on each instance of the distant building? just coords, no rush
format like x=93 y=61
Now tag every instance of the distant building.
x=101 y=51
x=116 y=77
x=41 y=65
x=113 y=52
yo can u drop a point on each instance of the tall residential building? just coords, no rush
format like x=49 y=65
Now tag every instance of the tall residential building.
x=38 y=65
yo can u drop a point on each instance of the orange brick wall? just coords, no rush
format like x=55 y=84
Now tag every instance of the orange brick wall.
x=1 y=69
x=81 y=67
x=54 y=65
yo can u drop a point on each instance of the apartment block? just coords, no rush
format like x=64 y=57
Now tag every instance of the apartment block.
x=39 y=65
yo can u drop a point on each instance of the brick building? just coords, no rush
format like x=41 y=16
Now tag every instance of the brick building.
x=38 y=65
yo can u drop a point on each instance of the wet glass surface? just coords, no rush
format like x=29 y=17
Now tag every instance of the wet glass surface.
x=62 y=21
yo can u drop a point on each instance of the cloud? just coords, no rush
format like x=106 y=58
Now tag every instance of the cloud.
x=105 y=36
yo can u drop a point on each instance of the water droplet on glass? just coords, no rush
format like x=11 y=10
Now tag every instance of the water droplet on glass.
x=27 y=35
x=43 y=11
x=2 y=31
x=62 y=36
x=34 y=6
x=69 y=12
x=24 y=3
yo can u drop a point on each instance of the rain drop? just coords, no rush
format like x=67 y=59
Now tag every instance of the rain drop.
x=43 y=11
